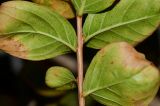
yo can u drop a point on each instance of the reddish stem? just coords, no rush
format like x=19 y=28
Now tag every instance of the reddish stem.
x=80 y=61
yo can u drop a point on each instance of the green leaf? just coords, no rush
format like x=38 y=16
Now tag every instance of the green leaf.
x=120 y=76
x=60 y=6
x=130 y=21
x=60 y=78
x=34 y=32
x=91 y=6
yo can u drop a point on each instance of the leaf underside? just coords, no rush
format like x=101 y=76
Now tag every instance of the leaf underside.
x=62 y=7
x=34 y=32
x=91 y=6
x=129 y=21
x=120 y=76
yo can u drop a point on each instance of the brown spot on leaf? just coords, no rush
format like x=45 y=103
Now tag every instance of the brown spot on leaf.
x=112 y=62
x=102 y=52
x=56 y=73
x=139 y=103
x=13 y=47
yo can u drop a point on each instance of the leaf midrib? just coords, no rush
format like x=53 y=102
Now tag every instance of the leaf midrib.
x=118 y=25
x=42 y=33
x=39 y=32
x=100 y=88
x=81 y=9
x=84 y=6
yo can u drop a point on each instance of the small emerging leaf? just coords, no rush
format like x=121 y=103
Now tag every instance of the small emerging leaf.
x=120 y=76
x=60 y=6
x=91 y=6
x=34 y=32
x=130 y=20
x=60 y=78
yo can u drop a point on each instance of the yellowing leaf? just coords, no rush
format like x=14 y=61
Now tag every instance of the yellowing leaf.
x=120 y=76
x=34 y=32
x=62 y=7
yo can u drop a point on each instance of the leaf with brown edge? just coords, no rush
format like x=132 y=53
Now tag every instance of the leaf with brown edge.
x=62 y=7
x=34 y=32
x=17 y=48
x=120 y=76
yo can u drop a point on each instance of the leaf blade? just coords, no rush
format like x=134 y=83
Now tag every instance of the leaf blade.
x=120 y=76
x=21 y=18
x=60 y=6
x=57 y=77
x=117 y=25
x=88 y=6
